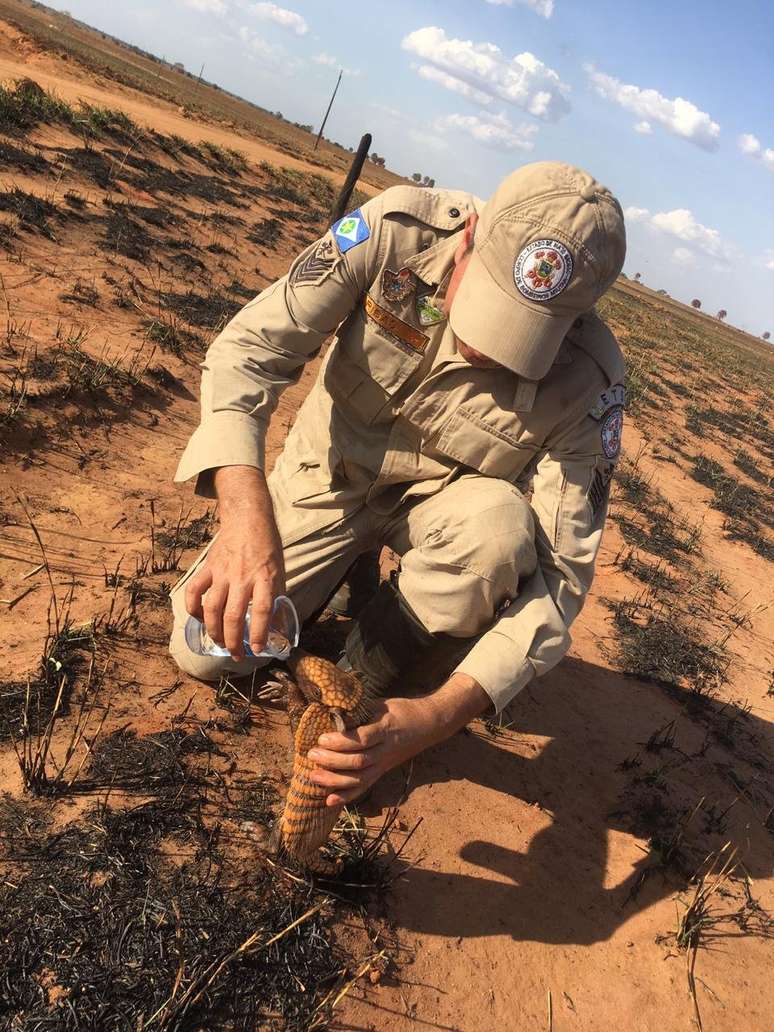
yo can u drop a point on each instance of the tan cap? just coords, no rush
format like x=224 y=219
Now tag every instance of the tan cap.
x=548 y=244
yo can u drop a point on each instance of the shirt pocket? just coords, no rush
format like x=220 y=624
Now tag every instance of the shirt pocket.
x=369 y=367
x=474 y=442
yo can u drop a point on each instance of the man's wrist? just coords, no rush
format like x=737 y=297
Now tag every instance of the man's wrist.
x=238 y=488
x=449 y=708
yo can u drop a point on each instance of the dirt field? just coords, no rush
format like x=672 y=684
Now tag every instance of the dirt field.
x=601 y=860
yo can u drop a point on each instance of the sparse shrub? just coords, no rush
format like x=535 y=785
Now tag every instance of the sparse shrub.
x=748 y=464
x=33 y=212
x=265 y=233
x=657 y=645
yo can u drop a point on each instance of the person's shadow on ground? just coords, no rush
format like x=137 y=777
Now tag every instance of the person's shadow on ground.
x=594 y=774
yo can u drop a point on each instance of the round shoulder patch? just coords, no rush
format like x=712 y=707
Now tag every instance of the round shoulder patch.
x=611 y=431
x=543 y=269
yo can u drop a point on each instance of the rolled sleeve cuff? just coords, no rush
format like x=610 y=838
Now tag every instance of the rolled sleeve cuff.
x=224 y=439
x=492 y=663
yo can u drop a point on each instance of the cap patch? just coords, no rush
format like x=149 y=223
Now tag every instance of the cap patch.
x=543 y=269
x=610 y=431
x=350 y=231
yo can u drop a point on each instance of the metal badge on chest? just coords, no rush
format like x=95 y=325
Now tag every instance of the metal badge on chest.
x=398 y=286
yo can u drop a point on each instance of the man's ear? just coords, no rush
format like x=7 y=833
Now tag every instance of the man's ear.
x=470 y=229
x=466 y=244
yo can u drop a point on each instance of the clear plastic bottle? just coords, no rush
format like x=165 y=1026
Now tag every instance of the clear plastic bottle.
x=282 y=637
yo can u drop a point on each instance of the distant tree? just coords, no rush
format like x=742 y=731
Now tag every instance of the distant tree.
x=637 y=277
x=767 y=335
x=431 y=183
x=722 y=314
x=417 y=177
x=696 y=303
x=623 y=275
x=374 y=157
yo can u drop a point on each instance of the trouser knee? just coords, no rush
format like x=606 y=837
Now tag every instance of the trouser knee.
x=470 y=561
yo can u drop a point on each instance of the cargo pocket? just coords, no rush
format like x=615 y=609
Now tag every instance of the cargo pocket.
x=369 y=367
x=481 y=446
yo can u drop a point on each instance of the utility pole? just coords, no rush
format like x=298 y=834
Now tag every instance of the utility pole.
x=335 y=91
x=201 y=73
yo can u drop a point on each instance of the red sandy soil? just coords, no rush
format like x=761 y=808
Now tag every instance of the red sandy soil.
x=523 y=894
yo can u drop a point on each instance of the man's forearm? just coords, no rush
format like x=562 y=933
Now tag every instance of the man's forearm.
x=450 y=707
x=242 y=492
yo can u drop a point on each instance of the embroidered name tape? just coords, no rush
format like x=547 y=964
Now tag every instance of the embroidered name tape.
x=350 y=231
x=615 y=395
x=397 y=327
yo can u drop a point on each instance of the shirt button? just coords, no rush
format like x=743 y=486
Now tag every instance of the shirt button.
x=454 y=213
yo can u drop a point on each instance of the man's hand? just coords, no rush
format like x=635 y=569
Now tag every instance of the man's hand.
x=349 y=763
x=244 y=564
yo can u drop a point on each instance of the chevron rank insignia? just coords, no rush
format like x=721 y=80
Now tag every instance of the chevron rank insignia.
x=600 y=487
x=316 y=266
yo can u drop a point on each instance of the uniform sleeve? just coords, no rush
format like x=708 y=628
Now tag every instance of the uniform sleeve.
x=570 y=495
x=264 y=347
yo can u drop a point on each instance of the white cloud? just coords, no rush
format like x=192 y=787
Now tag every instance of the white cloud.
x=451 y=82
x=281 y=16
x=259 y=47
x=643 y=128
x=493 y=131
x=207 y=6
x=749 y=144
x=545 y=8
x=752 y=147
x=683 y=256
x=329 y=61
x=523 y=80
x=684 y=225
x=636 y=214
x=679 y=116
x=769 y=260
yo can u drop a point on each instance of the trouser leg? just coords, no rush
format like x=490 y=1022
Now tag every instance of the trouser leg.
x=463 y=553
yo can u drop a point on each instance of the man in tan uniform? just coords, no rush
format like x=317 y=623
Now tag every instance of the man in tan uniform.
x=467 y=369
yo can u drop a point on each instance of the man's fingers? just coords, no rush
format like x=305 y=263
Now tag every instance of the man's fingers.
x=213 y=604
x=234 y=621
x=339 y=799
x=330 y=779
x=194 y=590
x=263 y=604
x=359 y=738
x=341 y=760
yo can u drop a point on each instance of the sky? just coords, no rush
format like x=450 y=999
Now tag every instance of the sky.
x=669 y=105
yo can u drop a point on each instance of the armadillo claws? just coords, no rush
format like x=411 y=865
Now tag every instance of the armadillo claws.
x=337 y=719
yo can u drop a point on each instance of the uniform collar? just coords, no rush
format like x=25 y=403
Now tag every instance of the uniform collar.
x=432 y=265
